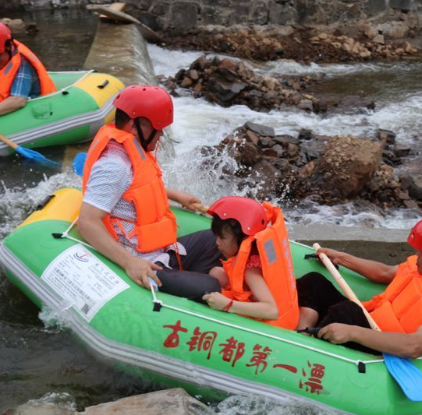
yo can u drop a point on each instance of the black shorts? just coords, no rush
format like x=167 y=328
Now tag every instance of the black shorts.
x=319 y=294
x=193 y=281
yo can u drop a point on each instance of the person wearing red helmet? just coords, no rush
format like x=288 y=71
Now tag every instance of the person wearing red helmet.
x=22 y=75
x=257 y=276
x=125 y=213
x=397 y=310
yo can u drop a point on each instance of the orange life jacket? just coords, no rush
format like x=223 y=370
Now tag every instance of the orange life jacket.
x=155 y=225
x=399 y=307
x=277 y=269
x=8 y=73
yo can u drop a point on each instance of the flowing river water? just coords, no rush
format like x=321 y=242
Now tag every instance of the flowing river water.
x=43 y=362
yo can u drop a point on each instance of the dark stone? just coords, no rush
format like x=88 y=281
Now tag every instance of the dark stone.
x=214 y=16
x=282 y=14
x=305 y=134
x=183 y=16
x=411 y=179
x=215 y=3
x=160 y=8
x=144 y=4
x=260 y=129
x=149 y=20
x=404 y=5
x=386 y=135
x=279 y=150
x=227 y=74
x=260 y=14
x=305 y=9
x=401 y=150
x=374 y=7
x=239 y=15
x=286 y=139
x=312 y=150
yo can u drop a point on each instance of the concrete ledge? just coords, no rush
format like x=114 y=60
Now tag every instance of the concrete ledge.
x=120 y=50
x=343 y=233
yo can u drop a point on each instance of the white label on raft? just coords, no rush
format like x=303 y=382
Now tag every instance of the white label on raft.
x=83 y=280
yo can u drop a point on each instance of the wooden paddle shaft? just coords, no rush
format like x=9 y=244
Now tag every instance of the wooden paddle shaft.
x=200 y=207
x=344 y=286
x=10 y=143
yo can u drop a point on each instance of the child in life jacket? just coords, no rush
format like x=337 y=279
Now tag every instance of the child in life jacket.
x=257 y=277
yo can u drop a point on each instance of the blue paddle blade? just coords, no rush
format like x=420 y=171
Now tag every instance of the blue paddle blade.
x=79 y=163
x=38 y=158
x=406 y=374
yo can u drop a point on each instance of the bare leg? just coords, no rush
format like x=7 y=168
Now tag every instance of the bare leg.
x=220 y=275
x=308 y=317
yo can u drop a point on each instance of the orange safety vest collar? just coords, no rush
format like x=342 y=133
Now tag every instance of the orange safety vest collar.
x=399 y=307
x=277 y=269
x=8 y=73
x=155 y=225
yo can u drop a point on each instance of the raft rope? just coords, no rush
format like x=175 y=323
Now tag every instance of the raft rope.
x=158 y=304
x=60 y=91
x=66 y=235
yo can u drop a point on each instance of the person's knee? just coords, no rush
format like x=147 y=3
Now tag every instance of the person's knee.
x=220 y=275
x=211 y=285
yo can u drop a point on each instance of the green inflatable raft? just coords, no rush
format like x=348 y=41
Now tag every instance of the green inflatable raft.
x=72 y=114
x=182 y=342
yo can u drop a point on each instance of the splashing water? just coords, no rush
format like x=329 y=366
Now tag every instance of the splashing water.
x=199 y=123
x=17 y=203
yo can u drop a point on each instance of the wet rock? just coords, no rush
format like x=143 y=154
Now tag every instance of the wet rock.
x=401 y=151
x=317 y=44
x=286 y=139
x=229 y=82
x=306 y=134
x=171 y=401
x=260 y=129
x=347 y=165
x=412 y=178
x=312 y=150
x=404 y=5
x=39 y=408
x=326 y=170
x=387 y=136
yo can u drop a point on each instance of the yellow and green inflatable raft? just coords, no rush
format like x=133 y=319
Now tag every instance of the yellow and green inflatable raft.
x=184 y=343
x=72 y=114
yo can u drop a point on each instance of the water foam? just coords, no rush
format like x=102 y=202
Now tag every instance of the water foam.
x=199 y=123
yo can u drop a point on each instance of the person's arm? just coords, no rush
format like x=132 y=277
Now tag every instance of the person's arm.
x=21 y=89
x=373 y=270
x=92 y=228
x=11 y=104
x=264 y=307
x=398 y=344
x=185 y=199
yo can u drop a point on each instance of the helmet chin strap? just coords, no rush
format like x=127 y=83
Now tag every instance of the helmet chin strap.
x=147 y=142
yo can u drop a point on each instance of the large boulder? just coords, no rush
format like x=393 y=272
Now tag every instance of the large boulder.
x=346 y=167
x=170 y=401
x=412 y=178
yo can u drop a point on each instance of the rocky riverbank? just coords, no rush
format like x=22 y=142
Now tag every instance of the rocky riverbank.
x=326 y=170
x=317 y=44
x=373 y=170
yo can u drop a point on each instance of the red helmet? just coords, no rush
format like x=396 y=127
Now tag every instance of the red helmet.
x=145 y=101
x=248 y=212
x=5 y=35
x=415 y=236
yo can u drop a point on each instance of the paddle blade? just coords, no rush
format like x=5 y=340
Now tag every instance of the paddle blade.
x=79 y=163
x=38 y=158
x=406 y=374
